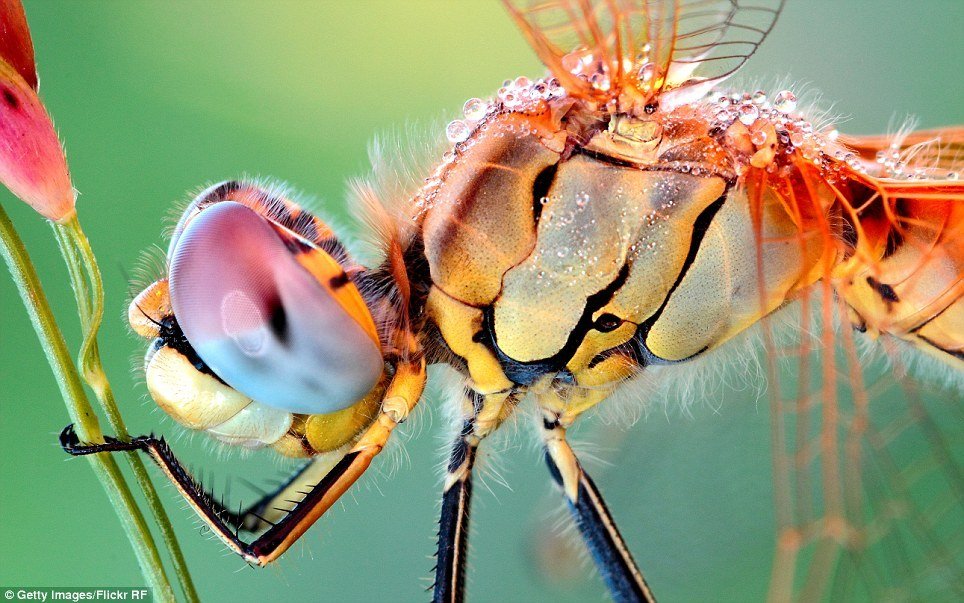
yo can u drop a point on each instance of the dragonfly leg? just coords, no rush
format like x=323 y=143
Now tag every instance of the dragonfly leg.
x=481 y=415
x=613 y=559
x=400 y=397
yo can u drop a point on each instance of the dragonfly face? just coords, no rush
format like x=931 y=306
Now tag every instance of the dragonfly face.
x=622 y=213
x=242 y=340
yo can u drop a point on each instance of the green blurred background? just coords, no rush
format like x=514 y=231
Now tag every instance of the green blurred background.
x=155 y=99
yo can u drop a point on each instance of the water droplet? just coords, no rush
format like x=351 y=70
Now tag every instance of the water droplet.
x=457 y=131
x=785 y=101
x=796 y=138
x=573 y=62
x=759 y=97
x=582 y=199
x=953 y=176
x=748 y=114
x=522 y=82
x=646 y=72
x=475 y=109
x=600 y=81
x=759 y=137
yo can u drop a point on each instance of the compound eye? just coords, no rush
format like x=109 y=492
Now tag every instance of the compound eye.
x=262 y=322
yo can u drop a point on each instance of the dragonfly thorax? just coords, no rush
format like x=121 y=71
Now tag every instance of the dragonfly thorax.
x=572 y=263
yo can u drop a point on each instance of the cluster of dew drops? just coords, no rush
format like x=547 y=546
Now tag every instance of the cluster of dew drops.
x=895 y=164
x=793 y=131
x=520 y=94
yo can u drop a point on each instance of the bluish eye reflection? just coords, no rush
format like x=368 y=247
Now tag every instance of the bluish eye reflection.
x=261 y=321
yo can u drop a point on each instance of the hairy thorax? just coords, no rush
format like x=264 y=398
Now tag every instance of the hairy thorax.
x=570 y=247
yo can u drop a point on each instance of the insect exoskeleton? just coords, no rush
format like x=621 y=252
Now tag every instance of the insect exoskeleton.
x=609 y=217
x=283 y=350
x=583 y=244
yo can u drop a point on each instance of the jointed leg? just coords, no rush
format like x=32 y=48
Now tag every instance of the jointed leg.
x=482 y=414
x=400 y=397
x=272 y=506
x=613 y=559
x=453 y=525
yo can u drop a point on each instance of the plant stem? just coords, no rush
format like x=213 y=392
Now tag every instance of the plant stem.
x=88 y=288
x=88 y=429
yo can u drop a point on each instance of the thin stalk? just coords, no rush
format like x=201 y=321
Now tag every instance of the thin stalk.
x=88 y=288
x=78 y=407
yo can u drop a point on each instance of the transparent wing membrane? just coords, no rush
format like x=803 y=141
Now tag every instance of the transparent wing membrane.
x=636 y=40
x=939 y=152
x=868 y=481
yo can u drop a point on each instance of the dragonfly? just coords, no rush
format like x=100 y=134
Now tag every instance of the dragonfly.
x=626 y=216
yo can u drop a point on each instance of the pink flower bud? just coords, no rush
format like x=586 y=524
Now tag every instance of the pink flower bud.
x=32 y=162
x=15 y=45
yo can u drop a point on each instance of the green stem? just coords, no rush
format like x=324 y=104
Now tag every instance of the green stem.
x=81 y=413
x=85 y=278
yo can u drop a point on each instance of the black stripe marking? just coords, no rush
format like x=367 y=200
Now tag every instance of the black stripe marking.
x=10 y=99
x=338 y=281
x=886 y=292
x=540 y=189
x=295 y=245
x=525 y=373
x=700 y=226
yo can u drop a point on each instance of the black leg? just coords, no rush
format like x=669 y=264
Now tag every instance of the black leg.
x=400 y=397
x=279 y=536
x=453 y=533
x=613 y=559
x=272 y=505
